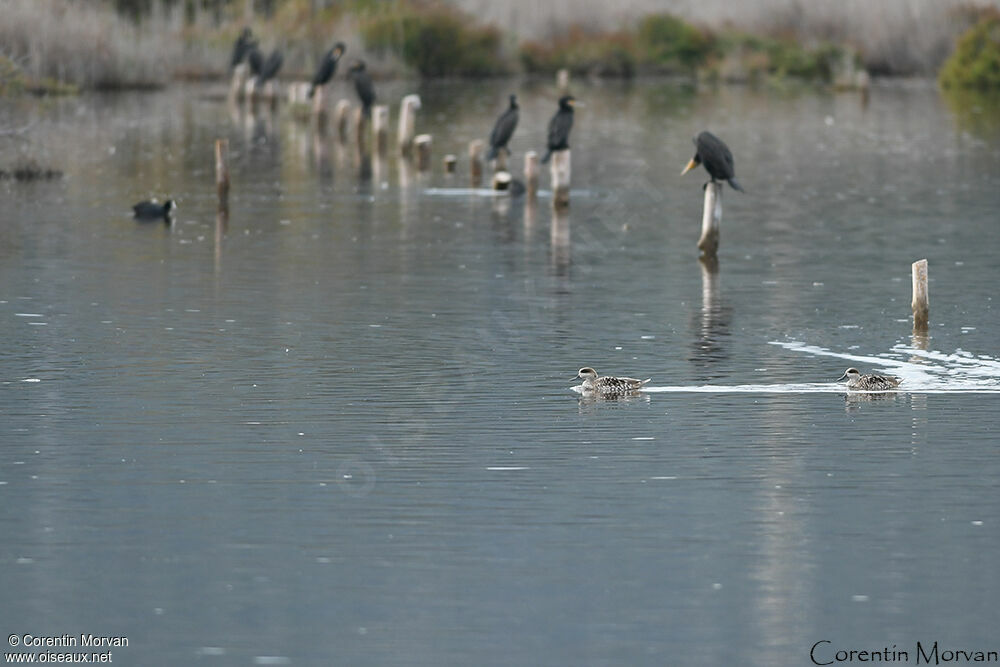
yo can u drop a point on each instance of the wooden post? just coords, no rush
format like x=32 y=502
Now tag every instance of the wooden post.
x=422 y=143
x=476 y=161
x=380 y=123
x=360 y=126
x=711 y=216
x=271 y=93
x=238 y=82
x=501 y=180
x=531 y=173
x=222 y=172
x=250 y=92
x=560 y=173
x=340 y=115
x=562 y=80
x=500 y=162
x=450 y=162
x=319 y=100
x=408 y=123
x=921 y=302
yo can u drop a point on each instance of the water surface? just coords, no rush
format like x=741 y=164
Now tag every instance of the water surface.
x=341 y=430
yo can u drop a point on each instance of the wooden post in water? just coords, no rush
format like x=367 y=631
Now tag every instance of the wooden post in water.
x=360 y=126
x=250 y=92
x=408 y=123
x=921 y=302
x=500 y=162
x=531 y=173
x=422 y=143
x=222 y=173
x=238 y=82
x=562 y=80
x=560 y=173
x=450 y=162
x=711 y=216
x=380 y=123
x=476 y=161
x=341 y=114
x=319 y=102
x=270 y=93
x=501 y=180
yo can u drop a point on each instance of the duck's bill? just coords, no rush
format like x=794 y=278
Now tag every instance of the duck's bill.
x=690 y=165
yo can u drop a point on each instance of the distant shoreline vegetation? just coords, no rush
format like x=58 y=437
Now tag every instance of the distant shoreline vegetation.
x=975 y=63
x=59 y=46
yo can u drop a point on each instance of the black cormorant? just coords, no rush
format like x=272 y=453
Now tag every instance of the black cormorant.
x=255 y=59
x=363 y=84
x=152 y=210
x=504 y=128
x=327 y=67
x=270 y=67
x=716 y=157
x=242 y=47
x=559 y=126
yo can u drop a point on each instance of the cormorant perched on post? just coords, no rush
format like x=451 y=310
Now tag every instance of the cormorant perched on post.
x=242 y=47
x=255 y=59
x=327 y=67
x=559 y=126
x=715 y=155
x=363 y=84
x=270 y=67
x=504 y=128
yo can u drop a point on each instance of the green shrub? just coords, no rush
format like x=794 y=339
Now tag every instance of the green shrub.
x=436 y=41
x=12 y=79
x=582 y=52
x=666 y=40
x=782 y=57
x=976 y=60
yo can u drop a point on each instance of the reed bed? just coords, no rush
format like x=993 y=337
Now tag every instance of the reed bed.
x=88 y=44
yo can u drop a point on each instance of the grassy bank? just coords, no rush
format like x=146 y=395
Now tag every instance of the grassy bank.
x=88 y=44
x=664 y=44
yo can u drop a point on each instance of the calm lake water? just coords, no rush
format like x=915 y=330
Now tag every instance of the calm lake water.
x=342 y=430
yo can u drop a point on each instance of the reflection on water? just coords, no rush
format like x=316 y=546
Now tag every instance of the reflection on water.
x=974 y=111
x=712 y=321
x=338 y=420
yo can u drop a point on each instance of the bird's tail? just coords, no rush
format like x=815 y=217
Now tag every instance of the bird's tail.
x=312 y=90
x=367 y=111
x=548 y=154
x=492 y=153
x=735 y=185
